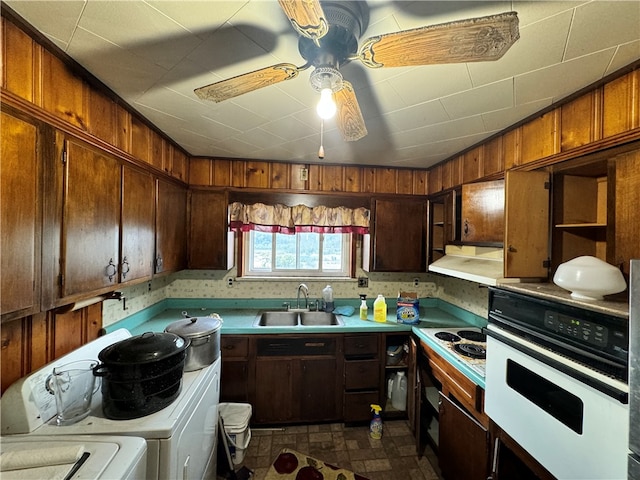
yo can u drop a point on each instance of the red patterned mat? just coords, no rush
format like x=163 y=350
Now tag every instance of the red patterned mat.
x=292 y=465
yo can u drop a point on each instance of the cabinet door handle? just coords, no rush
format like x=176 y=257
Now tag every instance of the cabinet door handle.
x=466 y=227
x=314 y=344
x=111 y=270
x=158 y=263
x=125 y=263
x=512 y=249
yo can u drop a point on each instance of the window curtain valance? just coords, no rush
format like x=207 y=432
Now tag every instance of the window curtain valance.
x=299 y=218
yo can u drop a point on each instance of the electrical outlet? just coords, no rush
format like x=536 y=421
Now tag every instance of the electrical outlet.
x=230 y=281
x=416 y=282
x=363 y=282
x=304 y=174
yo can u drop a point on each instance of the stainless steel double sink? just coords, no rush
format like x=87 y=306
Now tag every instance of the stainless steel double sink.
x=294 y=319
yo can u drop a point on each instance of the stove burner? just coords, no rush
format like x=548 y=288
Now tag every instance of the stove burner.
x=470 y=350
x=447 y=336
x=473 y=336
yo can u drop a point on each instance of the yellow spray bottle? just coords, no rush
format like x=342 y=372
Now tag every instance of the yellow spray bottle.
x=375 y=427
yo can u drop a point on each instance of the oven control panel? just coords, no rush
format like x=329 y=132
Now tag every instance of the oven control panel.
x=582 y=330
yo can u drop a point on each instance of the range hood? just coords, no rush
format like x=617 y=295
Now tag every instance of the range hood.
x=477 y=264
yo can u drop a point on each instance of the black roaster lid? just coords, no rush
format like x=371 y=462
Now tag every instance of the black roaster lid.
x=193 y=327
x=145 y=348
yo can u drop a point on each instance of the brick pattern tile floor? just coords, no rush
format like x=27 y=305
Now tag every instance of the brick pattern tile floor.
x=391 y=458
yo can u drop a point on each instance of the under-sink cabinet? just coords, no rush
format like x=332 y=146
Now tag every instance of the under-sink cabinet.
x=297 y=379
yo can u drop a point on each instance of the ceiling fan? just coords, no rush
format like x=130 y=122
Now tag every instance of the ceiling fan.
x=329 y=33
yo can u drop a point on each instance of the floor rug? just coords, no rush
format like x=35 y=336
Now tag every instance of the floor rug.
x=292 y=465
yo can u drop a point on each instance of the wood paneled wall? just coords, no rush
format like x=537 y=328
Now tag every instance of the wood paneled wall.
x=218 y=172
x=33 y=341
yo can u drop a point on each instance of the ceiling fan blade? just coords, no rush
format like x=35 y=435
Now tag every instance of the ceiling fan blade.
x=472 y=40
x=349 y=116
x=248 y=82
x=307 y=17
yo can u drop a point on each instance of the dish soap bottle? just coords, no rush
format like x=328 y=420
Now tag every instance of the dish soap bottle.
x=327 y=296
x=363 y=307
x=375 y=427
x=380 y=309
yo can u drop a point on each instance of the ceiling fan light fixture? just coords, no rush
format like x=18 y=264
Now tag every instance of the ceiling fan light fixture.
x=326 y=77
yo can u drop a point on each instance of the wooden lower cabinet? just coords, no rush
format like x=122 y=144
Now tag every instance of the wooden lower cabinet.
x=452 y=418
x=463 y=443
x=274 y=391
x=362 y=376
x=298 y=379
x=234 y=382
x=510 y=460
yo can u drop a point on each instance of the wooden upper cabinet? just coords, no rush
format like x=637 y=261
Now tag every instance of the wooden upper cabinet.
x=137 y=225
x=90 y=220
x=627 y=214
x=20 y=216
x=483 y=212
x=526 y=239
x=621 y=110
x=540 y=137
x=171 y=227
x=208 y=235
x=398 y=235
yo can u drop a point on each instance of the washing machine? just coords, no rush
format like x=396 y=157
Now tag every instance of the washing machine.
x=77 y=457
x=181 y=439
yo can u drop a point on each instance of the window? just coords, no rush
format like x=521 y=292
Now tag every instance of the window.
x=305 y=254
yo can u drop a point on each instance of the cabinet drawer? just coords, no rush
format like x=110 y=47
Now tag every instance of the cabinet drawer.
x=361 y=345
x=234 y=346
x=357 y=405
x=295 y=346
x=361 y=374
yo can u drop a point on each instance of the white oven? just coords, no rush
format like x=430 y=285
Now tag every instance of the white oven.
x=181 y=438
x=556 y=383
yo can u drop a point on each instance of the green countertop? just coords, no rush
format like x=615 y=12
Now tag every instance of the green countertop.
x=239 y=315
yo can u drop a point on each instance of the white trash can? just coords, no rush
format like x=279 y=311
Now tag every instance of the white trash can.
x=235 y=418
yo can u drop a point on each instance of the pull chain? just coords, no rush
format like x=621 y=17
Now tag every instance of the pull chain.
x=321 y=151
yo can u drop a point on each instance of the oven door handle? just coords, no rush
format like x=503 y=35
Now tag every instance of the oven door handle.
x=613 y=392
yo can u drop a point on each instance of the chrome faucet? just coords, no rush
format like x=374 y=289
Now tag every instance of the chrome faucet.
x=304 y=288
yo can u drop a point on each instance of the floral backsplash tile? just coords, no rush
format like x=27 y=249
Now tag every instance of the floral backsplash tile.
x=223 y=284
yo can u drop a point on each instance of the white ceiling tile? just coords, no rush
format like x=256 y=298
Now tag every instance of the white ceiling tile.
x=121 y=71
x=289 y=124
x=625 y=55
x=494 y=96
x=271 y=104
x=603 y=24
x=67 y=15
x=430 y=82
x=501 y=119
x=428 y=113
x=558 y=81
x=197 y=16
x=534 y=11
x=541 y=44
